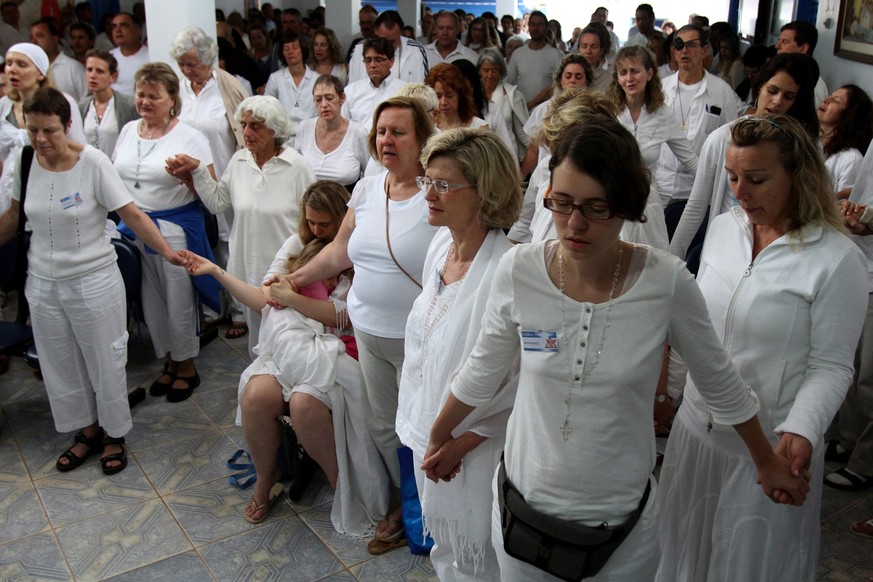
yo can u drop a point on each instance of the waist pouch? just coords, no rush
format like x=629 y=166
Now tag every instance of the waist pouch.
x=566 y=550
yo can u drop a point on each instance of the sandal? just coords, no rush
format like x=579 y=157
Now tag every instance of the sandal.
x=845 y=480
x=397 y=539
x=180 y=394
x=833 y=455
x=863 y=528
x=236 y=330
x=93 y=443
x=159 y=388
x=112 y=457
x=275 y=492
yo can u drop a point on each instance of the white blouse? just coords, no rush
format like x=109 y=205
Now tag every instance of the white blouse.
x=345 y=164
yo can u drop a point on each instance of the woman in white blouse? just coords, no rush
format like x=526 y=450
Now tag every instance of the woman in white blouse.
x=335 y=147
x=263 y=185
x=846 y=119
x=327 y=57
x=505 y=106
x=104 y=112
x=588 y=316
x=292 y=84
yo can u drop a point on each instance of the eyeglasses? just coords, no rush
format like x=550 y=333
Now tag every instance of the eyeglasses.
x=377 y=60
x=439 y=186
x=592 y=210
x=680 y=44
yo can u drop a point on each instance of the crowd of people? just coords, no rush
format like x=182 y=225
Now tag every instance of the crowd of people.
x=517 y=254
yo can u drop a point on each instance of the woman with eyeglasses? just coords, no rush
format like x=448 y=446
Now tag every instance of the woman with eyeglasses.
x=783 y=287
x=472 y=191
x=587 y=316
x=384 y=236
x=784 y=86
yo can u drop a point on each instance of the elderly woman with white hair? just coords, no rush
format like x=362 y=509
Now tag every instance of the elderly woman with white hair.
x=210 y=96
x=506 y=106
x=263 y=185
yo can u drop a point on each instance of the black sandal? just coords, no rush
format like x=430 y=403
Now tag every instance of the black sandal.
x=112 y=457
x=93 y=443
x=181 y=394
x=159 y=388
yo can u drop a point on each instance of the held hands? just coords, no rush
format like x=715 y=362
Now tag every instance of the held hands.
x=851 y=214
x=785 y=477
x=442 y=460
x=177 y=258
x=197 y=265
x=181 y=166
x=281 y=292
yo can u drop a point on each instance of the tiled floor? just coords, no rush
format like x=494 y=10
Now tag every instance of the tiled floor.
x=171 y=515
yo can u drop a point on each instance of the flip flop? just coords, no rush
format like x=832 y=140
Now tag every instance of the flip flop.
x=236 y=330
x=275 y=492
x=378 y=546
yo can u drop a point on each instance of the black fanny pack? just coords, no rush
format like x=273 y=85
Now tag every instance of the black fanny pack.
x=569 y=551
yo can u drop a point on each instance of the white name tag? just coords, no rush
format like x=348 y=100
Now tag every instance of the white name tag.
x=71 y=201
x=539 y=341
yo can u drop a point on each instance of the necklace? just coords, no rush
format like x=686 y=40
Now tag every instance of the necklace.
x=139 y=156
x=566 y=429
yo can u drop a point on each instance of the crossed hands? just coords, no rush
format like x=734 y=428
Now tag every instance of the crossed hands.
x=786 y=478
x=442 y=461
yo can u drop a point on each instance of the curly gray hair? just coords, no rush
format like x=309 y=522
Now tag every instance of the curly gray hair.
x=194 y=38
x=269 y=111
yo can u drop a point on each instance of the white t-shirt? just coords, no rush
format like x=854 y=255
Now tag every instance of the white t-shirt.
x=103 y=133
x=206 y=113
x=127 y=68
x=381 y=295
x=362 y=98
x=843 y=168
x=345 y=164
x=69 y=76
x=141 y=164
x=67 y=211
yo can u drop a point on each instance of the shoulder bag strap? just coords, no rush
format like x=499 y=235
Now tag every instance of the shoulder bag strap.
x=21 y=240
x=390 y=252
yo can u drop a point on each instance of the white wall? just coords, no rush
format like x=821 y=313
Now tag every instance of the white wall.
x=835 y=70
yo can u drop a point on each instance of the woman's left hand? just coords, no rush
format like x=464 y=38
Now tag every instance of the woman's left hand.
x=282 y=292
x=798 y=451
x=779 y=484
x=444 y=461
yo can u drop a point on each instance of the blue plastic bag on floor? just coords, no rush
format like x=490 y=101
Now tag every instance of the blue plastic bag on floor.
x=411 y=505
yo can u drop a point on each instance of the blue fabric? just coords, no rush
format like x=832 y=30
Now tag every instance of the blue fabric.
x=411 y=505
x=190 y=218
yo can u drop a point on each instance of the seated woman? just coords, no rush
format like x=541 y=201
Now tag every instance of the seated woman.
x=846 y=119
x=302 y=365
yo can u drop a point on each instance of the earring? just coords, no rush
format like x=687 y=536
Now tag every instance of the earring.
x=172 y=112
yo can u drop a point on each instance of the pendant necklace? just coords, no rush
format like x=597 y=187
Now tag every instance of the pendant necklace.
x=566 y=429
x=139 y=156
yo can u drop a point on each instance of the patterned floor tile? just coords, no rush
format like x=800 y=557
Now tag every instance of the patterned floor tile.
x=20 y=383
x=282 y=550
x=188 y=567
x=398 y=564
x=87 y=492
x=844 y=560
x=122 y=540
x=41 y=450
x=317 y=493
x=12 y=469
x=33 y=558
x=214 y=511
x=349 y=550
x=186 y=462
x=21 y=513
x=344 y=576
x=157 y=422
x=219 y=404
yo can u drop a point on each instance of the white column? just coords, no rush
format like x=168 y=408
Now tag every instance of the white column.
x=167 y=17
x=506 y=7
x=410 y=12
x=341 y=16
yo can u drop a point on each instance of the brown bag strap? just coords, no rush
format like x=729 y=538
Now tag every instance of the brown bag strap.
x=390 y=252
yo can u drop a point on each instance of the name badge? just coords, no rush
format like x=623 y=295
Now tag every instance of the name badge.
x=539 y=341
x=71 y=201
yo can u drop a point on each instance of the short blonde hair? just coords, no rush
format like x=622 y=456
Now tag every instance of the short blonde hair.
x=488 y=165
x=421 y=119
x=423 y=93
x=812 y=195
x=569 y=108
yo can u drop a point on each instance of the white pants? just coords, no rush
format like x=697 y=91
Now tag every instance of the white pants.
x=636 y=559
x=79 y=326
x=381 y=362
x=168 y=301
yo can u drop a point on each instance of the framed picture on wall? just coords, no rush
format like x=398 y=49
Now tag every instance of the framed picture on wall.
x=855 y=31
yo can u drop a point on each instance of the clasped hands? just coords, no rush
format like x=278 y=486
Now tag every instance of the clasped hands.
x=279 y=291
x=851 y=214
x=442 y=461
x=786 y=478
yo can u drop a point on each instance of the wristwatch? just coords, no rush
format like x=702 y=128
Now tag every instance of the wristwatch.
x=661 y=398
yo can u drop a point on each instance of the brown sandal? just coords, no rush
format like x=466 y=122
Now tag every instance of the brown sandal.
x=236 y=330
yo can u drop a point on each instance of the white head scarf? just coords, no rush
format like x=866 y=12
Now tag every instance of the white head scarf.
x=36 y=55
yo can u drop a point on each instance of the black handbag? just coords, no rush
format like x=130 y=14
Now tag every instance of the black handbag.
x=566 y=550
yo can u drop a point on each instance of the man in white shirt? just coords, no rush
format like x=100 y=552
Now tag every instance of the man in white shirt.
x=68 y=74
x=701 y=103
x=801 y=37
x=410 y=60
x=363 y=96
x=447 y=48
x=645 y=19
x=130 y=53
x=532 y=66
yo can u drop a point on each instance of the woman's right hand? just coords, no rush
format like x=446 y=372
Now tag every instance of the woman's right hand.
x=197 y=265
x=779 y=483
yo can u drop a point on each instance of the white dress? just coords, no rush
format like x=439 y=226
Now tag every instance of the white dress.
x=610 y=417
x=790 y=320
